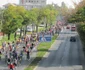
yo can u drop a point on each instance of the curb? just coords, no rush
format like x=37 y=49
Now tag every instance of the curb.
x=46 y=54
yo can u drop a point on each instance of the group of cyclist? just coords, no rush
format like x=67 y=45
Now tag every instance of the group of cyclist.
x=14 y=52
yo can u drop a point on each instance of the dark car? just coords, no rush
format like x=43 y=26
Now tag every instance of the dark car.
x=72 y=39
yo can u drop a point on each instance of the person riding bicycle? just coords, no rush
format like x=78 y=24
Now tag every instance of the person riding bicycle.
x=11 y=66
x=8 y=61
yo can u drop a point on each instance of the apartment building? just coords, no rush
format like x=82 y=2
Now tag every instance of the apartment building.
x=29 y=4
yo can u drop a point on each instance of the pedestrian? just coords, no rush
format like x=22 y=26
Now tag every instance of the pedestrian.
x=3 y=46
x=13 y=47
x=26 y=40
x=15 y=63
x=13 y=44
x=8 y=61
x=37 y=37
x=24 y=49
x=10 y=47
x=28 y=45
x=14 y=54
x=32 y=45
x=28 y=55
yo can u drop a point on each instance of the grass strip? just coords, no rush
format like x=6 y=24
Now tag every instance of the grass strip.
x=42 y=49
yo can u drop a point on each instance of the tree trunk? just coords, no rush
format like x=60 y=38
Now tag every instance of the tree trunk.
x=46 y=26
x=15 y=36
x=36 y=28
x=25 y=30
x=9 y=36
x=20 y=32
x=50 y=25
x=32 y=28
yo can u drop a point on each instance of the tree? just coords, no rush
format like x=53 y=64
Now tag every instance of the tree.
x=49 y=14
x=32 y=17
x=23 y=13
x=12 y=20
x=26 y=21
x=45 y=13
x=78 y=16
x=38 y=17
x=53 y=14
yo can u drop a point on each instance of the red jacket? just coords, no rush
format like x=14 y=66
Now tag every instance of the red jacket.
x=11 y=66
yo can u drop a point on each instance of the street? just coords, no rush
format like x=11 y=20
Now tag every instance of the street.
x=42 y=35
x=64 y=55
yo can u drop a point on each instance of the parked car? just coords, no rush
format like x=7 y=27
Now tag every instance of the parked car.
x=72 y=39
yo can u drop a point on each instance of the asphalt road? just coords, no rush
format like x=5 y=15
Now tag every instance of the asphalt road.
x=64 y=55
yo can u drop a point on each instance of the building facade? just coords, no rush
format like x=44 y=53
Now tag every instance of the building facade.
x=29 y=4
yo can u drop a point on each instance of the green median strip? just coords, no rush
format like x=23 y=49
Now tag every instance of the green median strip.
x=42 y=49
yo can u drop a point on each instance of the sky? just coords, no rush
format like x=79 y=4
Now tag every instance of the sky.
x=67 y=2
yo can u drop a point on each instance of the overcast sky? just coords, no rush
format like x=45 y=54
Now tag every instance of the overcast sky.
x=68 y=2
